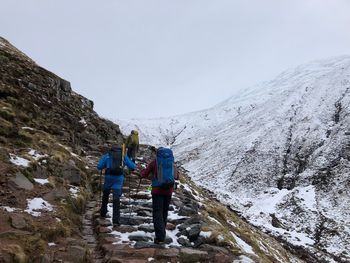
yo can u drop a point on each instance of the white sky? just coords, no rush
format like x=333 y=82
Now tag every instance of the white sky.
x=149 y=58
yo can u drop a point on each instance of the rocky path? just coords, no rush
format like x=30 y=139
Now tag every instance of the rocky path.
x=132 y=241
x=89 y=233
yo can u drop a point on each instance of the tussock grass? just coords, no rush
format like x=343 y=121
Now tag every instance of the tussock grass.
x=52 y=233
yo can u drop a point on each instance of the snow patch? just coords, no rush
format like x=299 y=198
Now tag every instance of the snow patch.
x=83 y=122
x=36 y=155
x=19 y=161
x=9 y=209
x=36 y=204
x=243 y=245
x=205 y=234
x=214 y=220
x=74 y=191
x=41 y=181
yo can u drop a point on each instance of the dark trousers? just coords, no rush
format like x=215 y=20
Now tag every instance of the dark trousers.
x=116 y=205
x=131 y=153
x=160 y=204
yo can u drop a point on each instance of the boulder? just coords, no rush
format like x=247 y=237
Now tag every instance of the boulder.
x=88 y=103
x=144 y=213
x=18 y=221
x=144 y=244
x=65 y=85
x=167 y=254
x=128 y=252
x=184 y=242
x=134 y=220
x=72 y=174
x=126 y=229
x=146 y=228
x=188 y=222
x=199 y=241
x=40 y=172
x=57 y=193
x=170 y=226
x=188 y=209
x=77 y=252
x=135 y=237
x=191 y=255
x=168 y=240
x=193 y=232
x=22 y=182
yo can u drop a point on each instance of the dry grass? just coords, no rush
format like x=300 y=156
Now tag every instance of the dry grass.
x=52 y=233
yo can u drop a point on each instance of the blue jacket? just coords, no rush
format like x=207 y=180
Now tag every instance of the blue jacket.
x=105 y=162
x=112 y=181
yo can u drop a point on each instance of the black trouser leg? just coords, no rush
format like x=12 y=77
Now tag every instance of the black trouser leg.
x=158 y=219
x=116 y=208
x=129 y=152
x=105 y=197
x=166 y=203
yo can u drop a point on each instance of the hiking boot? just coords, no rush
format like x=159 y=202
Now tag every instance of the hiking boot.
x=158 y=242
x=116 y=225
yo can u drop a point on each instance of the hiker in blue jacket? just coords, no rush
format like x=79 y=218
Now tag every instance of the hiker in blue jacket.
x=113 y=162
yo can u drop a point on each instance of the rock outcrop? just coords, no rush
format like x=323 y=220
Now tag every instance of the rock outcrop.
x=47 y=135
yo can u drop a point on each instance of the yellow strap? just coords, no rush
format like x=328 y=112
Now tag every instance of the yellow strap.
x=123 y=151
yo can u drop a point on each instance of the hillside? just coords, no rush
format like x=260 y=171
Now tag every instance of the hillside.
x=48 y=134
x=277 y=153
x=50 y=142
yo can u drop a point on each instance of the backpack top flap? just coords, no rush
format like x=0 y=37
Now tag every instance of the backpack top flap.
x=165 y=168
x=134 y=139
x=116 y=161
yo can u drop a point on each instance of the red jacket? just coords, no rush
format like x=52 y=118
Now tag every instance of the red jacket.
x=151 y=172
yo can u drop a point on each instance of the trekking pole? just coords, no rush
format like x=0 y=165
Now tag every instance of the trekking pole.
x=138 y=187
x=129 y=196
x=100 y=189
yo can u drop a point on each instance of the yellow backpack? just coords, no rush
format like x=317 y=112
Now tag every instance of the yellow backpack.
x=134 y=138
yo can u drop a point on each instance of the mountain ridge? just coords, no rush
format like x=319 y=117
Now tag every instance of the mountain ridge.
x=286 y=140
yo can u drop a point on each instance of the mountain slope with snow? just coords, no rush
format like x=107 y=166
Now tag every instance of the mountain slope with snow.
x=277 y=153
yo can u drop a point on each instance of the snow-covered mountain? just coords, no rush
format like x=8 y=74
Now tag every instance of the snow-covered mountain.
x=278 y=153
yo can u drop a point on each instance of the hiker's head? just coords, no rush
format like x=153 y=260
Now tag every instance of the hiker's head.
x=134 y=132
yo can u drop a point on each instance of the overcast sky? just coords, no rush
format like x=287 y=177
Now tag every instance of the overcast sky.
x=150 y=58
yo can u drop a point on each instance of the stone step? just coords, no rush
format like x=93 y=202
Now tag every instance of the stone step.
x=134 y=220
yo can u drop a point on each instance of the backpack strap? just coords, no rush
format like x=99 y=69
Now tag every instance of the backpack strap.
x=123 y=152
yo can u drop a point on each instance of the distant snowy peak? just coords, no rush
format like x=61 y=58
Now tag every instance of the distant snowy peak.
x=288 y=87
x=279 y=153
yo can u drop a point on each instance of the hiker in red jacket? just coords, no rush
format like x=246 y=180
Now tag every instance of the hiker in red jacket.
x=162 y=172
